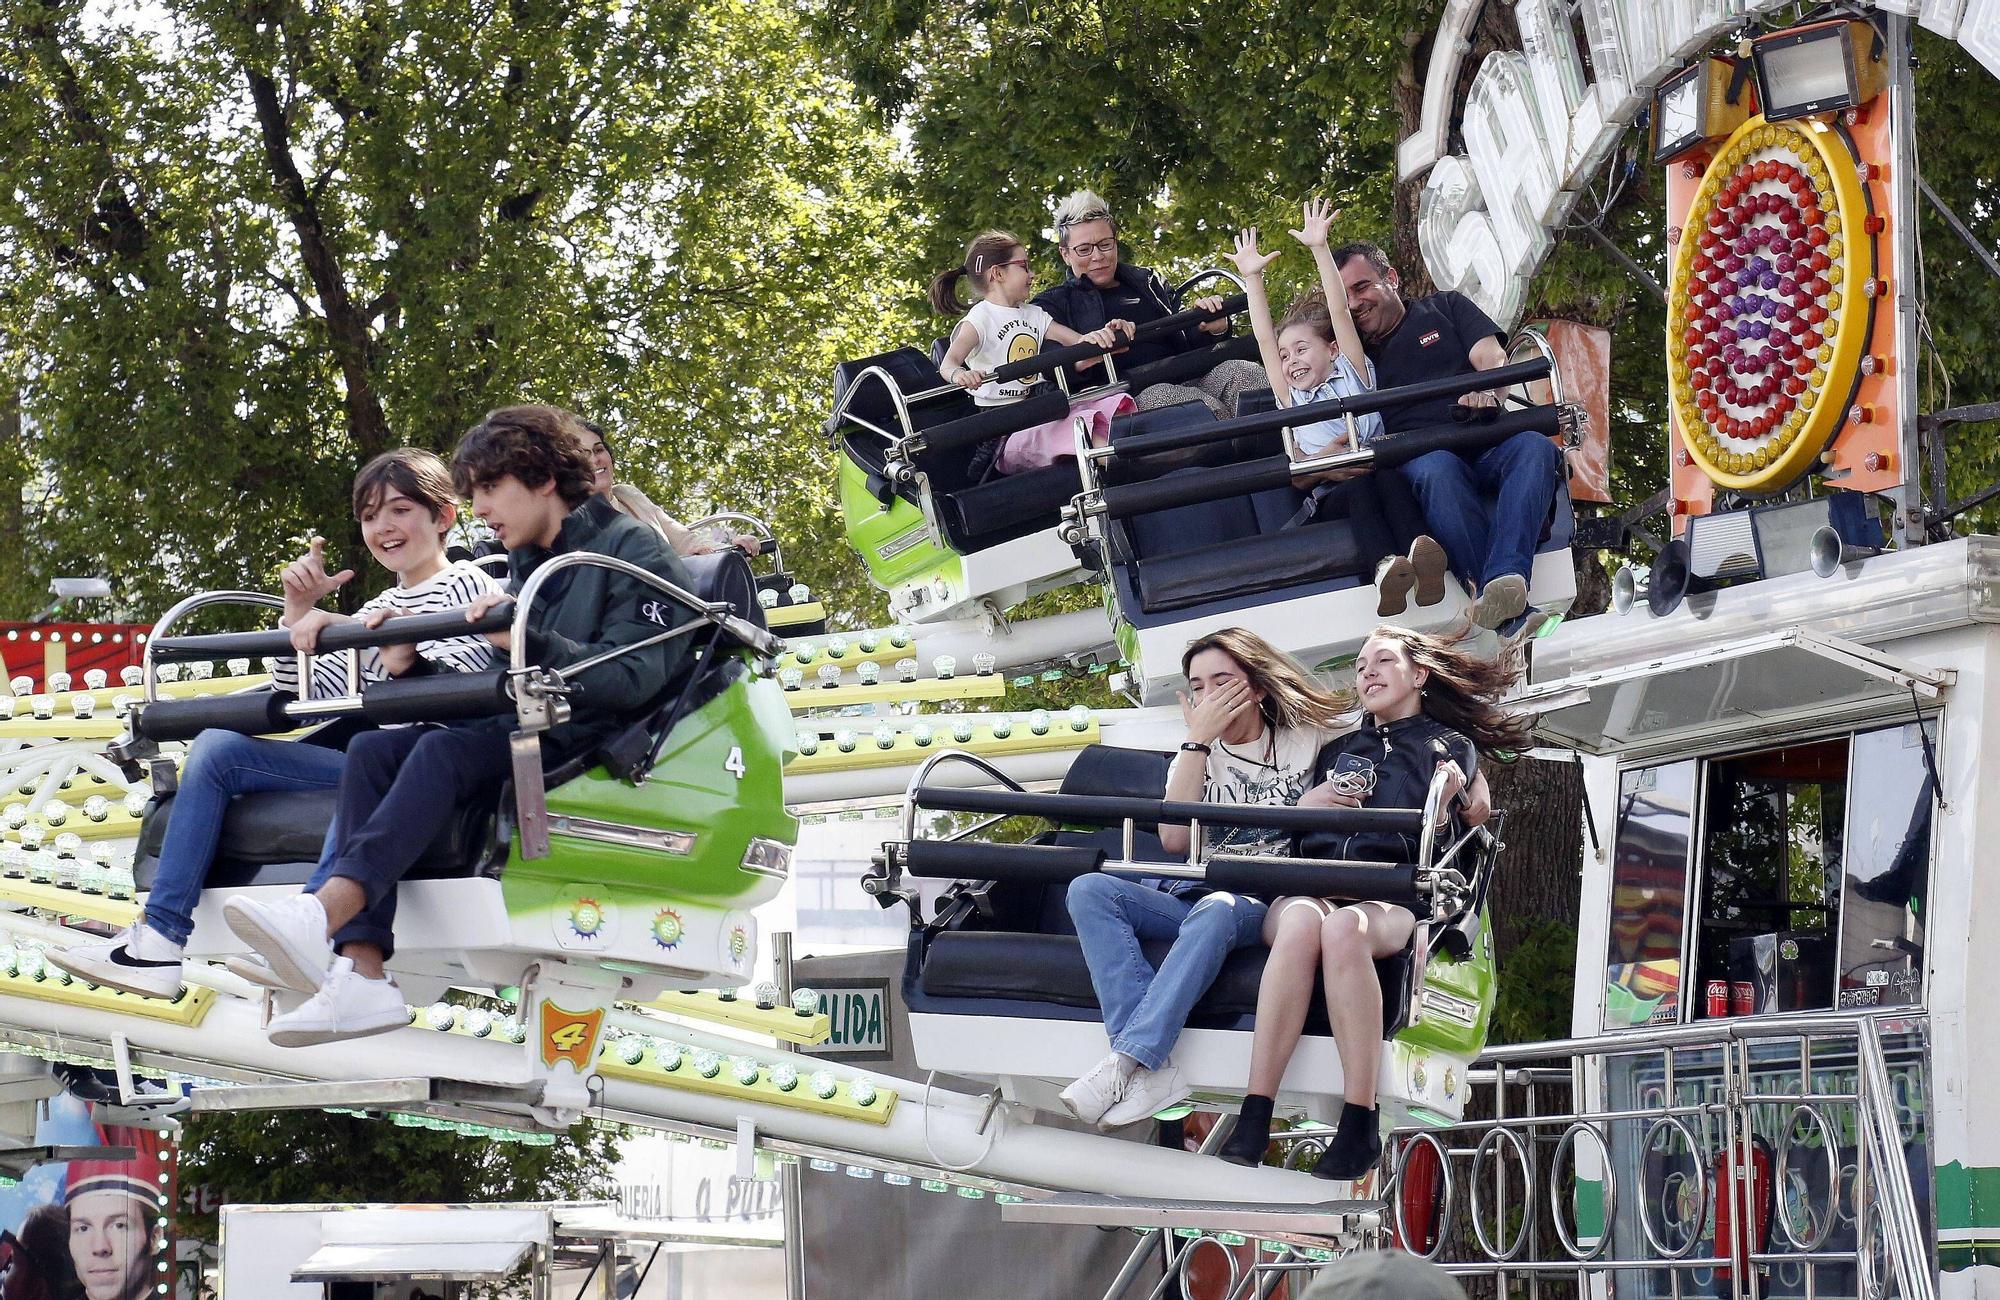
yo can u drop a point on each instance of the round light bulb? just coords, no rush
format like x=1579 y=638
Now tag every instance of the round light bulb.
x=862 y=1091
x=97 y=808
x=885 y=736
x=807 y=743
x=868 y=641
x=868 y=671
x=745 y=1072
x=921 y=734
x=899 y=636
x=1003 y=726
x=44 y=706
x=829 y=675
x=239 y=667
x=13 y=861
x=201 y=670
x=58 y=683
x=1038 y=722
x=34 y=835
x=836 y=647
x=15 y=815
x=169 y=672
x=632 y=1050
x=906 y=669
x=767 y=995
x=784 y=1076
x=121 y=705
x=844 y=740
x=441 y=1016
x=132 y=674
x=707 y=1064
x=984 y=663
x=1079 y=718
x=479 y=1022
x=944 y=666
x=961 y=731
x=805 y=1001
x=805 y=652
x=6 y=707
x=55 y=812
x=670 y=1055
x=791 y=678
x=22 y=685
x=135 y=802
x=82 y=706
x=768 y=598
x=96 y=679
x=824 y=1085
x=800 y=593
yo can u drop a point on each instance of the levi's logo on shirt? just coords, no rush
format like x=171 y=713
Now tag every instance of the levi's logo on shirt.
x=1430 y=338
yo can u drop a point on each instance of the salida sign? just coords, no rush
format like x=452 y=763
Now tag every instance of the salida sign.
x=1540 y=122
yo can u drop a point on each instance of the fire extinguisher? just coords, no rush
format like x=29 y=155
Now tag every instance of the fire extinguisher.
x=1420 y=1190
x=1757 y=1159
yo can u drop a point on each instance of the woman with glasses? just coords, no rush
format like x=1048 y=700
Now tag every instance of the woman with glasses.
x=1102 y=288
x=1003 y=327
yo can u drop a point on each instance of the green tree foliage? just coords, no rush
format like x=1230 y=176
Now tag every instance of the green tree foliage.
x=307 y=1157
x=250 y=245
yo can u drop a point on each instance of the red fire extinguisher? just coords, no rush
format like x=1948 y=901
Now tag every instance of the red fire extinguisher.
x=1757 y=1160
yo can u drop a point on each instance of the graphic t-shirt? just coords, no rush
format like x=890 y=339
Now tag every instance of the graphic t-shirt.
x=1006 y=334
x=1275 y=769
x=1345 y=381
x=1434 y=340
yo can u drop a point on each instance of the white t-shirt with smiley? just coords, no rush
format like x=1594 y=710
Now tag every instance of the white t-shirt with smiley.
x=1006 y=334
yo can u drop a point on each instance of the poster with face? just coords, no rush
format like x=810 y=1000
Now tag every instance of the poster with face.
x=89 y=1229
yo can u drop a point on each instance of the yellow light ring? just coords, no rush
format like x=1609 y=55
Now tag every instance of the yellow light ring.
x=1764 y=443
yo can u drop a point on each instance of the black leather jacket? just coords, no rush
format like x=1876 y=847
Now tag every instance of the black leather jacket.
x=1137 y=295
x=1400 y=757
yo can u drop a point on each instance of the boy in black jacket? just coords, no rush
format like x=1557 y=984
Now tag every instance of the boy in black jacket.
x=530 y=480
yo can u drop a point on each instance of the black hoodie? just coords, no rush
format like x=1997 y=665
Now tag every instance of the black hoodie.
x=1398 y=759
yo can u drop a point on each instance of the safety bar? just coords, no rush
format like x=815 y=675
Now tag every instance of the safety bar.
x=334 y=638
x=1055 y=864
x=1109 y=810
x=438 y=698
x=1187 y=365
x=1387 y=451
x=767 y=537
x=1056 y=358
x=1332 y=408
x=994 y=422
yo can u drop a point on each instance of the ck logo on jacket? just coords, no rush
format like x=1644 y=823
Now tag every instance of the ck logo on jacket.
x=656 y=611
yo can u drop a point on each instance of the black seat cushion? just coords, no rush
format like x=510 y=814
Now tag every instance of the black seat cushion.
x=1008 y=506
x=1049 y=968
x=1262 y=562
x=274 y=838
x=726 y=576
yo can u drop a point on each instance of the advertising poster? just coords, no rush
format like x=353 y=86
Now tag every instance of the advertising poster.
x=89 y=1229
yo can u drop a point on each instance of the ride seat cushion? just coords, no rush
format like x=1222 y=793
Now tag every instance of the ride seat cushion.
x=275 y=838
x=725 y=576
x=1050 y=968
x=1009 y=506
x=1220 y=571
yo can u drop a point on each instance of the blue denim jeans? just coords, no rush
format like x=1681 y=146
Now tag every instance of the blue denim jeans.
x=1145 y=1010
x=221 y=765
x=1487 y=510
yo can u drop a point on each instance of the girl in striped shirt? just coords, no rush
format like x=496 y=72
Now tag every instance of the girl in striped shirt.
x=406 y=505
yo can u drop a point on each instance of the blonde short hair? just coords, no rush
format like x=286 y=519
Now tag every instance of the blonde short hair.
x=1081 y=207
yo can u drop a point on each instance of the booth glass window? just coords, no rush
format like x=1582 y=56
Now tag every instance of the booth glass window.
x=1773 y=828
x=1887 y=868
x=1642 y=972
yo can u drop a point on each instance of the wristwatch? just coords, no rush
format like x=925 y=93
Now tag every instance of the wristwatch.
x=1191 y=747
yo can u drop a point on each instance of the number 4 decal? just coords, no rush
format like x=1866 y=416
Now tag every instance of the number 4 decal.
x=734 y=763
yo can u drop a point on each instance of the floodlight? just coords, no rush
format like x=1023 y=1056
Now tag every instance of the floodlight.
x=1822 y=68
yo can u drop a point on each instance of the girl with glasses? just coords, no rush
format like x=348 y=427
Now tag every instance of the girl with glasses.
x=1004 y=327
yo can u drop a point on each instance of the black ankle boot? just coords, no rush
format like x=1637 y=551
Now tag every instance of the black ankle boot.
x=1356 y=1145
x=1252 y=1136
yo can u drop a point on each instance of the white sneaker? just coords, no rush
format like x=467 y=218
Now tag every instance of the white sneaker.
x=138 y=959
x=1147 y=1094
x=348 y=1005
x=290 y=934
x=1502 y=600
x=1089 y=1097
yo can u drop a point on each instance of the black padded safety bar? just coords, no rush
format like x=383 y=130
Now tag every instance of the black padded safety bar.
x=1027 y=864
x=1473 y=435
x=1215 y=483
x=1090 y=810
x=439 y=697
x=1333 y=408
x=1190 y=317
x=254 y=713
x=994 y=421
x=1276 y=877
x=1187 y=365
x=1054 y=359
x=340 y=636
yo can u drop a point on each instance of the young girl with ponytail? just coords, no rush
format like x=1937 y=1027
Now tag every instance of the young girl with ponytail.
x=1003 y=327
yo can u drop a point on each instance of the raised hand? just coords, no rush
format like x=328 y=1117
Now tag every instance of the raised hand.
x=1318 y=216
x=1246 y=257
x=307 y=582
x=1216 y=711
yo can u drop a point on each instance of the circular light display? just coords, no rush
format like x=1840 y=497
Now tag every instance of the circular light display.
x=1770 y=307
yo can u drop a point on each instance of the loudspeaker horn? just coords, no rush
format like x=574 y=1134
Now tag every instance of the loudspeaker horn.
x=1670 y=582
x=1626 y=586
x=1830 y=554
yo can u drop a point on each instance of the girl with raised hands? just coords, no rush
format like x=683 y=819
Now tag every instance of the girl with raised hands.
x=1314 y=354
x=1001 y=327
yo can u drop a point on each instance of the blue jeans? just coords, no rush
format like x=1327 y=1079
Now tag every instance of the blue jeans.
x=220 y=766
x=400 y=788
x=1145 y=1010
x=1487 y=510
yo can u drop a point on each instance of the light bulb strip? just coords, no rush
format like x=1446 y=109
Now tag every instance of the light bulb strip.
x=188 y=1009
x=883 y=656
x=906 y=750
x=741 y=1013
x=115 y=826
x=841 y=1105
x=924 y=690
x=69 y=902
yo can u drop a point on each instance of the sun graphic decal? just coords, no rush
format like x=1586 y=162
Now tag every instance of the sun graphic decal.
x=667 y=928
x=739 y=942
x=586 y=918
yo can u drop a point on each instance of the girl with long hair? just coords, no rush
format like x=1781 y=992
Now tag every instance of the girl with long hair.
x=1003 y=327
x=1428 y=703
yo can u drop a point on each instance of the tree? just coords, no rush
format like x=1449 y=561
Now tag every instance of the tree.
x=250 y=249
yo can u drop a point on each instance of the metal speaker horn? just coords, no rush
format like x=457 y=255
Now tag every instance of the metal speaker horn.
x=1627 y=585
x=1830 y=554
x=1671 y=581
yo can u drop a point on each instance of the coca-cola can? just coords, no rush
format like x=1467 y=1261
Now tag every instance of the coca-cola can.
x=1718 y=999
x=1742 y=998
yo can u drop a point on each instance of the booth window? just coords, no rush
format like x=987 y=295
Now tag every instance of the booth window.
x=1887 y=868
x=1642 y=972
